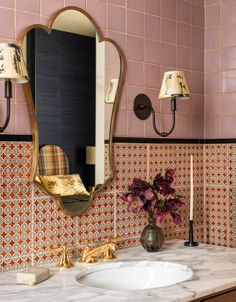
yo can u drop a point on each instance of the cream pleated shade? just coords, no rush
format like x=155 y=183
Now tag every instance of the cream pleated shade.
x=174 y=84
x=12 y=64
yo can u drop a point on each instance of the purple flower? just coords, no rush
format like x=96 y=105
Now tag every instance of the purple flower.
x=169 y=175
x=158 y=199
x=159 y=216
x=148 y=194
x=135 y=204
x=176 y=218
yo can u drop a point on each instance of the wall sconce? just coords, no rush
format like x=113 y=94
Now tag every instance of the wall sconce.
x=90 y=155
x=173 y=86
x=12 y=69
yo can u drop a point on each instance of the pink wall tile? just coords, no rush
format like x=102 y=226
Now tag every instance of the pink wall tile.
x=197 y=104
x=78 y=3
x=136 y=4
x=118 y=2
x=197 y=15
x=197 y=60
x=184 y=106
x=152 y=7
x=228 y=81
x=197 y=127
x=184 y=34
x=152 y=52
x=212 y=36
x=168 y=55
x=29 y=6
x=213 y=104
x=210 y=2
x=97 y=10
x=228 y=12
x=168 y=9
x=135 y=48
x=135 y=23
x=228 y=126
x=135 y=73
x=228 y=103
x=168 y=31
x=121 y=124
x=184 y=58
x=197 y=82
x=135 y=126
x=212 y=126
x=19 y=93
x=119 y=38
x=198 y=2
x=183 y=126
x=24 y=19
x=228 y=35
x=212 y=15
x=228 y=58
x=212 y=82
x=152 y=27
x=183 y=11
x=132 y=92
x=197 y=37
x=212 y=61
x=22 y=120
x=7 y=3
x=50 y=7
x=116 y=18
x=152 y=75
x=6 y=17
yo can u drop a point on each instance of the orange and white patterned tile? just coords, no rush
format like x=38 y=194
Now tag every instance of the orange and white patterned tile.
x=15 y=165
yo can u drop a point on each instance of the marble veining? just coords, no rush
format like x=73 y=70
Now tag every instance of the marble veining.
x=214 y=270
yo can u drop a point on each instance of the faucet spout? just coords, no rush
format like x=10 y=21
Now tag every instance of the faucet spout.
x=103 y=251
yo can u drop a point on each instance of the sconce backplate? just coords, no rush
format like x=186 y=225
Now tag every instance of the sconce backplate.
x=142 y=106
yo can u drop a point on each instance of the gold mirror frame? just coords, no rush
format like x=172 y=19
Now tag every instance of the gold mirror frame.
x=32 y=113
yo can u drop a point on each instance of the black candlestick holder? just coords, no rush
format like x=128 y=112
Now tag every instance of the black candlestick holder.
x=190 y=241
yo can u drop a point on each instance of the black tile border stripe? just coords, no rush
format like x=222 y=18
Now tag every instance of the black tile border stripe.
x=15 y=138
x=173 y=140
x=137 y=140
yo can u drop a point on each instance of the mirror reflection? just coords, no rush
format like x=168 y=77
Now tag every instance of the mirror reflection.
x=74 y=80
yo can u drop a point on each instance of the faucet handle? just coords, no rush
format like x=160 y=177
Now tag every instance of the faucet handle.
x=109 y=253
x=64 y=261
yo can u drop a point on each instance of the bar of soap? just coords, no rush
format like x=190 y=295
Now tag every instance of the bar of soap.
x=32 y=276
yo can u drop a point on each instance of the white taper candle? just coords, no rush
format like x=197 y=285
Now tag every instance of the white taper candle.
x=191 y=187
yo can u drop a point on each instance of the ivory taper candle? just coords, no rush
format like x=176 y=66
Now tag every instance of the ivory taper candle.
x=191 y=187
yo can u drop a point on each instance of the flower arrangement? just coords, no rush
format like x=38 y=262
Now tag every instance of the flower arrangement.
x=158 y=199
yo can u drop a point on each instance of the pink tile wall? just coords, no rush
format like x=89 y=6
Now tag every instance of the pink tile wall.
x=155 y=36
x=220 y=69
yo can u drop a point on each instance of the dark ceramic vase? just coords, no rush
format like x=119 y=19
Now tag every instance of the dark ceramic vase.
x=152 y=237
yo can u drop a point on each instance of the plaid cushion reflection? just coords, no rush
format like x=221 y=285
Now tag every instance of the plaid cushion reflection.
x=52 y=161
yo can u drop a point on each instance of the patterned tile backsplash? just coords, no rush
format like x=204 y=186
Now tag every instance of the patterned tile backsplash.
x=30 y=221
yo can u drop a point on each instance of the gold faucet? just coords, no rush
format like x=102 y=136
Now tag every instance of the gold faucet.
x=64 y=261
x=102 y=251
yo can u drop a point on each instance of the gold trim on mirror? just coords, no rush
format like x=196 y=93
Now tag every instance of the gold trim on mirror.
x=32 y=114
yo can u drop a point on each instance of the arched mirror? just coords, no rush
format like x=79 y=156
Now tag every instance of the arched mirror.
x=75 y=84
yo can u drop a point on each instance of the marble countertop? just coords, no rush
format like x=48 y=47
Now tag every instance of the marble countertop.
x=214 y=270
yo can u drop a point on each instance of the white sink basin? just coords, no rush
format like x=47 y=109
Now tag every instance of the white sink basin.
x=134 y=275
